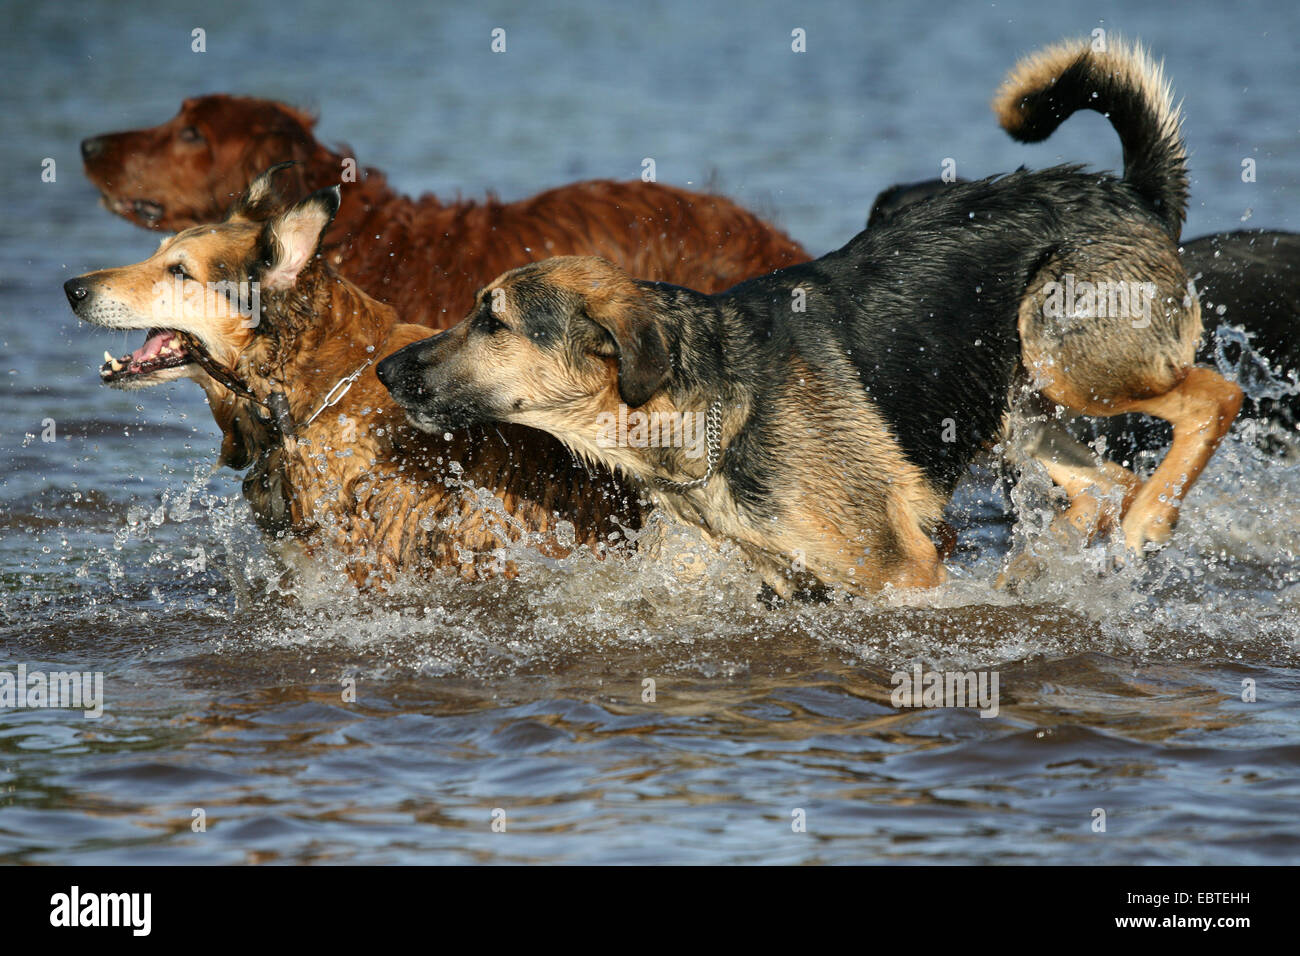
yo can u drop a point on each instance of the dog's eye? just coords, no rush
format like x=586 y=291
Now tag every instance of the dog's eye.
x=190 y=134
x=179 y=270
x=488 y=323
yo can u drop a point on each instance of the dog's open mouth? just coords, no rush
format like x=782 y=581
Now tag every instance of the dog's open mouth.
x=162 y=349
x=146 y=210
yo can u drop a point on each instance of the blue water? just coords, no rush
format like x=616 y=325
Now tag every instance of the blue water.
x=120 y=553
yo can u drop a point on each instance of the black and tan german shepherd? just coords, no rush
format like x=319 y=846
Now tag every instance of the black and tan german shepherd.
x=845 y=397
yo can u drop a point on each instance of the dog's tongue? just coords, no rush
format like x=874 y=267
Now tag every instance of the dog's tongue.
x=162 y=348
x=153 y=346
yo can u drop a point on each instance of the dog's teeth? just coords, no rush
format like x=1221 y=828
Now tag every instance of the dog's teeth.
x=117 y=366
x=107 y=357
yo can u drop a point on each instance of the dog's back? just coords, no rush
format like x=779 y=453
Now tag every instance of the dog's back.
x=887 y=301
x=425 y=257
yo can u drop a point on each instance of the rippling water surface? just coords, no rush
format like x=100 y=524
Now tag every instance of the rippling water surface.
x=121 y=552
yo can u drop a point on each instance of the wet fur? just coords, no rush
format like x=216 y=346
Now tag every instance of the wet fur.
x=1254 y=275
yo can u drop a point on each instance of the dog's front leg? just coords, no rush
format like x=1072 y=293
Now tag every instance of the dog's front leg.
x=1100 y=492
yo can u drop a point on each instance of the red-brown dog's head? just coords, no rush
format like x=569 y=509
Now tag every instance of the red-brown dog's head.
x=191 y=169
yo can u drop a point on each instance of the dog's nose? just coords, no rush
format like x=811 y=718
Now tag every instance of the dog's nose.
x=386 y=371
x=92 y=147
x=76 y=290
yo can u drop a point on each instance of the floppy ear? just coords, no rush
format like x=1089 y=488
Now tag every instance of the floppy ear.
x=293 y=237
x=260 y=200
x=643 y=360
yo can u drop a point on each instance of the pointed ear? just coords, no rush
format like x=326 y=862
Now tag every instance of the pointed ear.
x=293 y=237
x=643 y=360
x=261 y=199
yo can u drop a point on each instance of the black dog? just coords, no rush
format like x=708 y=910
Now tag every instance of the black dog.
x=1253 y=275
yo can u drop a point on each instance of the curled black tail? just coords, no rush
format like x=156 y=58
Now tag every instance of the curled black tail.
x=1124 y=84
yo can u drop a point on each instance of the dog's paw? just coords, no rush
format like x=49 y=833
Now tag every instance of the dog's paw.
x=1020 y=571
x=1149 y=533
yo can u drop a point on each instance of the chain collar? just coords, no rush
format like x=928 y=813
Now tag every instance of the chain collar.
x=279 y=403
x=335 y=394
x=713 y=438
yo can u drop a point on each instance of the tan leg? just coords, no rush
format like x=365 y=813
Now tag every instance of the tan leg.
x=921 y=567
x=1201 y=408
x=1093 y=509
x=1091 y=486
x=1099 y=494
x=922 y=570
x=910 y=561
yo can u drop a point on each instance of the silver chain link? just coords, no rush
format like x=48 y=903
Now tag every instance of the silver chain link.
x=341 y=388
x=713 y=438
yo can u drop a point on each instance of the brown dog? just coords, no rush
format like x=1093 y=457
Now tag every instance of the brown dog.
x=337 y=466
x=421 y=256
